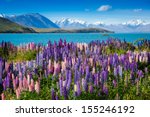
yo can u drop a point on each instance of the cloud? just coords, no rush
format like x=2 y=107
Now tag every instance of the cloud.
x=104 y=8
x=137 y=10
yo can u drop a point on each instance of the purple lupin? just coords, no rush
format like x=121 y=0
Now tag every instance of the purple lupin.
x=105 y=89
x=61 y=86
x=78 y=89
x=53 y=94
x=90 y=88
x=84 y=85
x=1 y=71
x=69 y=80
x=65 y=93
x=120 y=70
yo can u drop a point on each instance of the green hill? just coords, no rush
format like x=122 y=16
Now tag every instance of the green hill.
x=7 y=26
x=84 y=30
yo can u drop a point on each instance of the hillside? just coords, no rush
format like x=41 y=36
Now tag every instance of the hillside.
x=7 y=26
x=84 y=30
x=33 y=20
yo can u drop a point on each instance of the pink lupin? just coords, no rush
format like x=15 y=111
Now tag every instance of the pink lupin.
x=25 y=83
x=28 y=78
x=3 y=96
x=14 y=84
x=37 y=87
x=21 y=85
x=18 y=91
x=32 y=84
x=30 y=88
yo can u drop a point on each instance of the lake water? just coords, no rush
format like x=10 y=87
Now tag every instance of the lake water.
x=18 y=39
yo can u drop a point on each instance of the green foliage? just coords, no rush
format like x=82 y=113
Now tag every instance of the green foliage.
x=23 y=56
x=7 y=26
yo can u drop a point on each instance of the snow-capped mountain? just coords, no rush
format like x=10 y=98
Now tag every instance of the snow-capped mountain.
x=135 y=22
x=2 y=15
x=96 y=25
x=132 y=26
x=126 y=27
x=71 y=23
x=33 y=20
x=38 y=21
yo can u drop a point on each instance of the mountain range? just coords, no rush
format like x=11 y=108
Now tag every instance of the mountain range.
x=126 y=27
x=36 y=20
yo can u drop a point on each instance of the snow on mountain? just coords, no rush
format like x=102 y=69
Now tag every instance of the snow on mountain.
x=126 y=27
x=135 y=22
x=98 y=24
x=71 y=23
x=39 y=21
x=2 y=15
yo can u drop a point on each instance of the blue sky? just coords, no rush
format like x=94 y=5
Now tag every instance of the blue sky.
x=108 y=11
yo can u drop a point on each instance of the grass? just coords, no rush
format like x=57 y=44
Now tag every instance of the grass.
x=23 y=56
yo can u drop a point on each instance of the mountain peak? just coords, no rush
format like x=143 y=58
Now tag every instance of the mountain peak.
x=71 y=23
x=2 y=15
x=35 y=20
x=136 y=22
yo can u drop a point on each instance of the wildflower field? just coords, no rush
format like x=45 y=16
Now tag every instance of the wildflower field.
x=99 y=70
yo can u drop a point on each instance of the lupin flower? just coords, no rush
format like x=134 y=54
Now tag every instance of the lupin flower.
x=37 y=87
x=57 y=98
x=76 y=76
x=21 y=85
x=1 y=71
x=78 y=88
x=3 y=96
x=90 y=88
x=25 y=83
x=140 y=74
x=14 y=84
x=114 y=83
x=131 y=75
x=105 y=89
x=61 y=86
x=115 y=72
x=120 y=70
x=69 y=80
x=65 y=93
x=18 y=92
x=88 y=64
x=53 y=94
x=29 y=79
x=4 y=85
x=32 y=84
x=8 y=80
x=104 y=76
x=84 y=85
x=146 y=70
x=87 y=73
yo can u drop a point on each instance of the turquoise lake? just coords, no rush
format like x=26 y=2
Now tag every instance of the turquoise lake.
x=18 y=39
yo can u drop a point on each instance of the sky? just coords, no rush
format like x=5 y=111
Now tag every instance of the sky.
x=107 y=11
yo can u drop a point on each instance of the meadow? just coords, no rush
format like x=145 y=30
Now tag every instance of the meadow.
x=100 y=70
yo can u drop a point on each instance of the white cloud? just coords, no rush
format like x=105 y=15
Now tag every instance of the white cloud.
x=137 y=10
x=104 y=8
